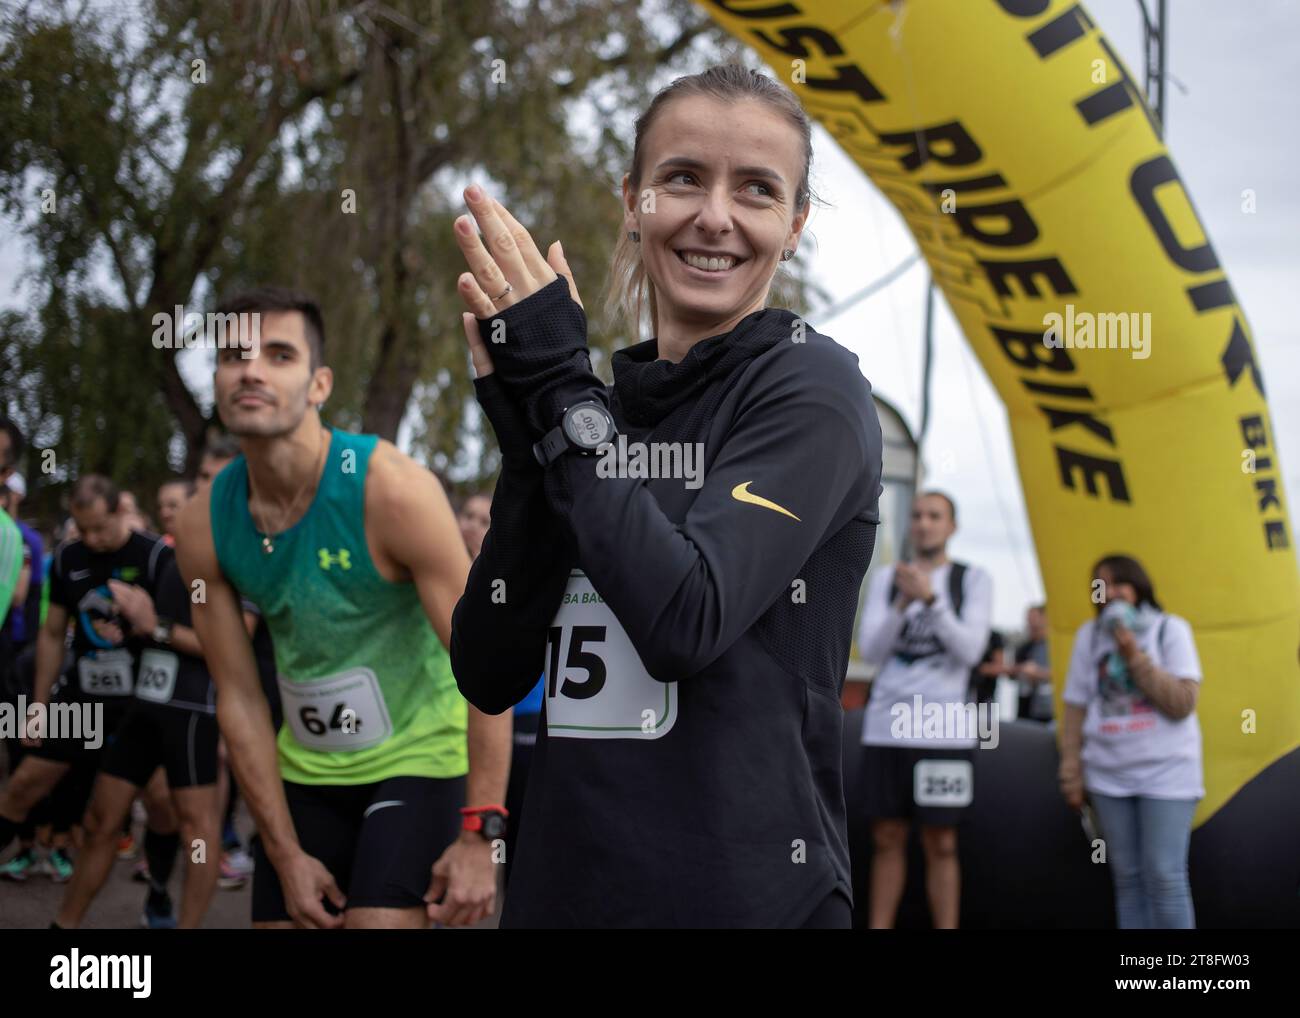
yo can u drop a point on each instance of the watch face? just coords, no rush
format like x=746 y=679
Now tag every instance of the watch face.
x=588 y=426
x=494 y=825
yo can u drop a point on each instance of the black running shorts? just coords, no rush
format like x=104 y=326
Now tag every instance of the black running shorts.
x=379 y=841
x=153 y=735
x=894 y=788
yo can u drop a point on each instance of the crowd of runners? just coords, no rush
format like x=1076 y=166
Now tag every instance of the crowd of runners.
x=99 y=628
x=623 y=692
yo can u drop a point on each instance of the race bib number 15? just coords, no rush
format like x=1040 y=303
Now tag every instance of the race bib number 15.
x=596 y=685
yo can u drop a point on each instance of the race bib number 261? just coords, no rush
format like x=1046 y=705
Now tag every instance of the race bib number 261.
x=596 y=685
x=106 y=673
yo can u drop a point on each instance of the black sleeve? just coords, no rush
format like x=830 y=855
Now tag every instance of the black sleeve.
x=498 y=628
x=58 y=582
x=806 y=439
x=160 y=557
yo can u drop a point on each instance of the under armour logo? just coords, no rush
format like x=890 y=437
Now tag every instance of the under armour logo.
x=343 y=559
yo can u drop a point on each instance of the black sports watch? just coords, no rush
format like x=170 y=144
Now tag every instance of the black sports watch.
x=584 y=428
x=490 y=822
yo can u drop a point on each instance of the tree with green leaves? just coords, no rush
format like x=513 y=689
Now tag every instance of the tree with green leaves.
x=170 y=153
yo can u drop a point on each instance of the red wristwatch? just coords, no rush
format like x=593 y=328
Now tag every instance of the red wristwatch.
x=488 y=821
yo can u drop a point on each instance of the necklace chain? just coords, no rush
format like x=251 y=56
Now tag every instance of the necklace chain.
x=268 y=545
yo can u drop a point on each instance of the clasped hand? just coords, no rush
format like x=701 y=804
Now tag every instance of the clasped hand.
x=505 y=268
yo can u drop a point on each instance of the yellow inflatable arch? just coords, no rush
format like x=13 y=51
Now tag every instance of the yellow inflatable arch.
x=1022 y=156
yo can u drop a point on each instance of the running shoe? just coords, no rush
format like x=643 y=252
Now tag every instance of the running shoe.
x=236 y=868
x=140 y=871
x=60 y=866
x=20 y=867
x=158 y=913
x=126 y=847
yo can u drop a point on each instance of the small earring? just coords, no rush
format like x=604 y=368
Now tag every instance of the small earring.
x=635 y=236
x=786 y=255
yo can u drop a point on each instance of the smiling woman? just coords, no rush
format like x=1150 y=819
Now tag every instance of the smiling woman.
x=720 y=171
x=693 y=636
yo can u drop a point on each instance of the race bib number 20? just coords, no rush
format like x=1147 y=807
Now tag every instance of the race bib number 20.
x=596 y=685
x=157 y=681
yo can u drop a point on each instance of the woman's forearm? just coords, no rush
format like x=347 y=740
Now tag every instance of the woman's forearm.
x=499 y=626
x=1071 y=737
x=1172 y=696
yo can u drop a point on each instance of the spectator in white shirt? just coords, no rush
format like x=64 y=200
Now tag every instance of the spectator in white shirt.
x=925 y=625
x=1132 y=744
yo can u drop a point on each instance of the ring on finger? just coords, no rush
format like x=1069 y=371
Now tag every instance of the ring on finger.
x=509 y=288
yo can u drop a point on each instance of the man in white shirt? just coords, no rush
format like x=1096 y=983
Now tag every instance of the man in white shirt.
x=925 y=626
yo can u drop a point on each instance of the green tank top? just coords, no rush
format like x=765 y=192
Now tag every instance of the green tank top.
x=11 y=561
x=366 y=684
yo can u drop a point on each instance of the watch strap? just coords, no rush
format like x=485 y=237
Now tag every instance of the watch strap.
x=551 y=447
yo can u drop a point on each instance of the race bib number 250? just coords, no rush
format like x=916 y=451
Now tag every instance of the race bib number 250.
x=596 y=685
x=943 y=783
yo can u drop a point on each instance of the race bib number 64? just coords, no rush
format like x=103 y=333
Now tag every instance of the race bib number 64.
x=596 y=685
x=337 y=712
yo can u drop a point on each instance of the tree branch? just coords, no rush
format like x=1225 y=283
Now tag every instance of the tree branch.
x=665 y=53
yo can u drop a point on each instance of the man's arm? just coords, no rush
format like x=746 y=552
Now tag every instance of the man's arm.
x=23 y=585
x=137 y=605
x=881 y=621
x=408 y=512
x=49 y=652
x=242 y=711
x=417 y=530
x=966 y=637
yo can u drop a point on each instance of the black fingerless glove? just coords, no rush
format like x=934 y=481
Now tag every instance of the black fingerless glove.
x=539 y=350
x=514 y=438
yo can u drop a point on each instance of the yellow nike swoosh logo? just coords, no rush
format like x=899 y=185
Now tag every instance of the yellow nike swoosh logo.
x=741 y=493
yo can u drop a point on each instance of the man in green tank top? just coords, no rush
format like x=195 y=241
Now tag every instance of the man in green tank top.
x=381 y=772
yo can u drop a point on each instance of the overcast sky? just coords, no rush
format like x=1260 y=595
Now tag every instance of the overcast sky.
x=1231 y=126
